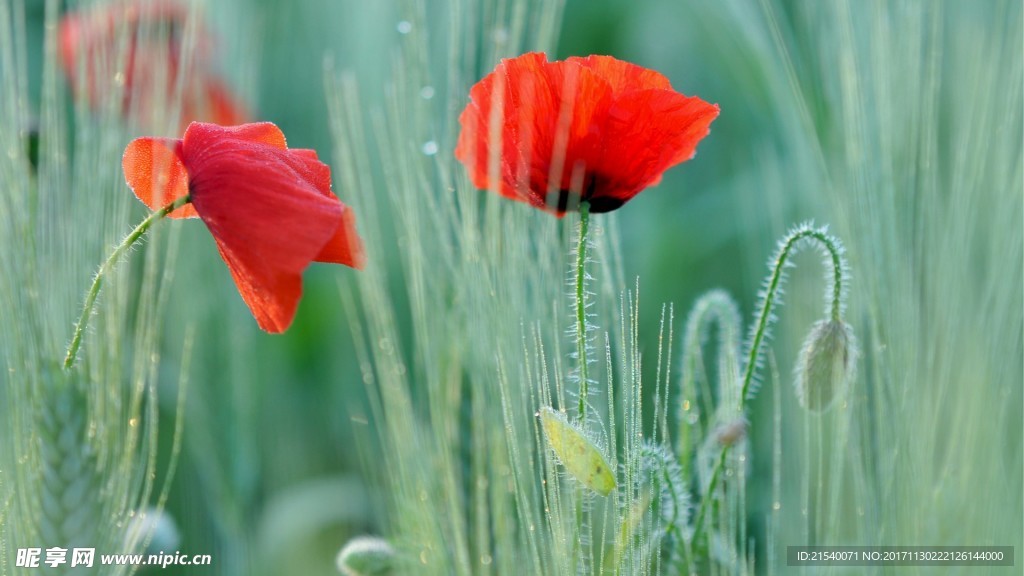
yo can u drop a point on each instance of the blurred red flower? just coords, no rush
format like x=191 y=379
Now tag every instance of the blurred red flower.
x=596 y=129
x=133 y=50
x=269 y=208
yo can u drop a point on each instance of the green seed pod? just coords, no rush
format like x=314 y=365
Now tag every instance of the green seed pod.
x=826 y=364
x=366 y=556
x=580 y=456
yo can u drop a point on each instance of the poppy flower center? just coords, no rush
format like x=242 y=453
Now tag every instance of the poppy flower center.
x=569 y=199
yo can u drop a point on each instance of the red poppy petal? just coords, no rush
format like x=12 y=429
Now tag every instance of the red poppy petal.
x=308 y=164
x=208 y=99
x=648 y=132
x=271 y=295
x=549 y=127
x=549 y=133
x=267 y=255
x=155 y=173
x=522 y=135
x=69 y=39
x=584 y=98
x=345 y=247
x=268 y=221
x=519 y=86
x=623 y=76
x=199 y=134
x=78 y=47
x=154 y=11
x=261 y=132
x=471 y=148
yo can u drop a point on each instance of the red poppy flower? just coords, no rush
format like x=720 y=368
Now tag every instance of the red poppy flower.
x=90 y=42
x=269 y=208
x=595 y=129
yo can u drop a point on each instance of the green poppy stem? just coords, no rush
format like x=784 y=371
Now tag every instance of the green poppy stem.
x=830 y=246
x=94 y=290
x=834 y=252
x=581 y=307
x=581 y=348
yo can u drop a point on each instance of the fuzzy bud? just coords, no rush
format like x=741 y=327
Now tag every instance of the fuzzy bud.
x=826 y=364
x=366 y=556
x=731 y=433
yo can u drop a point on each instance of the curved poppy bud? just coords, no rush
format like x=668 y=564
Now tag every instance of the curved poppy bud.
x=826 y=364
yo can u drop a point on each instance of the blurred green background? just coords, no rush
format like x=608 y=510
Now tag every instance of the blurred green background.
x=271 y=475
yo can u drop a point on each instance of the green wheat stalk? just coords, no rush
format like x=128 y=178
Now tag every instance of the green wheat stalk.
x=80 y=450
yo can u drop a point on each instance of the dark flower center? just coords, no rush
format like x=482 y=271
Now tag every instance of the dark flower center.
x=570 y=200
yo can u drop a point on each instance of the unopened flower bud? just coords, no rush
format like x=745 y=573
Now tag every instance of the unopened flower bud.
x=366 y=556
x=826 y=364
x=731 y=433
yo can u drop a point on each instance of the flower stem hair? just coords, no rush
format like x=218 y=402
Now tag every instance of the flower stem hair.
x=97 y=282
x=835 y=294
x=714 y=307
x=581 y=306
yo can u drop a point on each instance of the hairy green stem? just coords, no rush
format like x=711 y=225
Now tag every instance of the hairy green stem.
x=771 y=294
x=764 y=317
x=581 y=346
x=672 y=528
x=581 y=307
x=713 y=307
x=705 y=502
x=94 y=290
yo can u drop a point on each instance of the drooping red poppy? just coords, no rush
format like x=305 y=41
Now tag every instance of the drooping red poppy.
x=269 y=208
x=596 y=129
x=147 y=71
